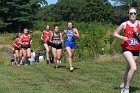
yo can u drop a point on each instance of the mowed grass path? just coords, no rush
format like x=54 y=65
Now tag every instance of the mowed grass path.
x=88 y=77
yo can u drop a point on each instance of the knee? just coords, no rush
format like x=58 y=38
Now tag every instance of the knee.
x=133 y=69
x=55 y=57
x=70 y=56
x=29 y=56
x=17 y=56
x=58 y=58
x=47 y=51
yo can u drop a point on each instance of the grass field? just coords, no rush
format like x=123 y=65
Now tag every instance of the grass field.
x=88 y=77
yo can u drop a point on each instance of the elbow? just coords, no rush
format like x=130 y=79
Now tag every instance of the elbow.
x=78 y=36
x=114 y=35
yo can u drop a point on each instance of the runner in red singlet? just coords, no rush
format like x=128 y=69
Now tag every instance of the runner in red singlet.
x=130 y=46
x=26 y=45
x=17 y=49
x=46 y=40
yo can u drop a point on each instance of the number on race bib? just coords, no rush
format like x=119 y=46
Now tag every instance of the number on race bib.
x=133 y=41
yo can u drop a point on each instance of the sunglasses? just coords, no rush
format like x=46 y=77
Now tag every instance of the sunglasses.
x=132 y=13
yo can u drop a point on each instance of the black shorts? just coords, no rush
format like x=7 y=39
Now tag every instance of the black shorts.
x=16 y=49
x=57 y=46
x=134 y=52
x=26 y=47
x=12 y=60
x=49 y=44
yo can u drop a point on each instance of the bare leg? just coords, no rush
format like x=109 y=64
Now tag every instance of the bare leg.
x=131 y=69
x=59 y=54
x=25 y=56
x=47 y=51
x=55 y=55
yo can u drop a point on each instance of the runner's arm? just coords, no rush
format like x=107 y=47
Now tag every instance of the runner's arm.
x=63 y=33
x=76 y=33
x=118 y=31
x=51 y=39
x=42 y=37
x=61 y=38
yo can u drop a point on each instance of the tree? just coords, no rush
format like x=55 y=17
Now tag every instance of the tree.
x=17 y=14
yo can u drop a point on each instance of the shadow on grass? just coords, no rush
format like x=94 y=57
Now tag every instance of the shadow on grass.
x=132 y=89
x=61 y=66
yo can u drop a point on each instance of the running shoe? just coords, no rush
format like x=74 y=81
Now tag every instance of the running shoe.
x=126 y=90
x=122 y=90
x=56 y=67
x=47 y=62
x=71 y=69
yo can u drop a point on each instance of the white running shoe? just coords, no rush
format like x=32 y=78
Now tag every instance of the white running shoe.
x=71 y=69
x=122 y=90
x=25 y=64
x=126 y=90
x=18 y=65
x=60 y=62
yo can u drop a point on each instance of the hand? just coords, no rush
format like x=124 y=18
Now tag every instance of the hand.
x=136 y=31
x=59 y=43
x=125 y=38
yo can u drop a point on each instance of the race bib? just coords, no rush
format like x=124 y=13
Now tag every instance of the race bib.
x=134 y=41
x=47 y=39
x=19 y=44
x=26 y=43
x=56 y=41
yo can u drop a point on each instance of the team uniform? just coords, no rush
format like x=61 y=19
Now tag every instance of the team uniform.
x=56 y=39
x=46 y=37
x=70 y=39
x=26 y=41
x=17 y=43
x=133 y=44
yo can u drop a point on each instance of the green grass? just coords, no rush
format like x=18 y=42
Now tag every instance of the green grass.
x=88 y=77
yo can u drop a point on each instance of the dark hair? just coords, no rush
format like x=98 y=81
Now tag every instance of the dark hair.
x=56 y=25
x=72 y=24
x=17 y=35
x=31 y=50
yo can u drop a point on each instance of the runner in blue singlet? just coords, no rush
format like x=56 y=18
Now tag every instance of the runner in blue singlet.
x=70 y=45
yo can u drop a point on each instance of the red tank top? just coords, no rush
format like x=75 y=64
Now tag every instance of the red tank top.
x=26 y=41
x=46 y=36
x=17 y=41
x=133 y=43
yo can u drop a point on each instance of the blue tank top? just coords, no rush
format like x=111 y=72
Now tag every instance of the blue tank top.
x=70 y=36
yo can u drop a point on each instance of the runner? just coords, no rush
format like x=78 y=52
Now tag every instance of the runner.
x=26 y=45
x=46 y=40
x=130 y=46
x=70 y=44
x=56 y=40
x=17 y=49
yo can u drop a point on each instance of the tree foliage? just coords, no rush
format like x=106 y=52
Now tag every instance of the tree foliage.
x=17 y=13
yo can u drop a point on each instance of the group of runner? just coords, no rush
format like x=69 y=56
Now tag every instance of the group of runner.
x=22 y=47
x=52 y=40
x=130 y=47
